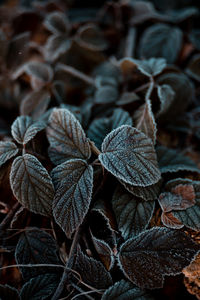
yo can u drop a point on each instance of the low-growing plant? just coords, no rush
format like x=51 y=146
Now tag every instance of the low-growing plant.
x=99 y=157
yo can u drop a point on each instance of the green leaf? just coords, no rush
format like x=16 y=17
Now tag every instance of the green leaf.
x=130 y=156
x=40 y=287
x=35 y=246
x=24 y=129
x=132 y=214
x=32 y=185
x=66 y=137
x=99 y=128
x=8 y=292
x=161 y=40
x=157 y=252
x=170 y=160
x=92 y=272
x=73 y=182
x=166 y=96
x=151 y=67
x=124 y=290
x=144 y=120
x=7 y=151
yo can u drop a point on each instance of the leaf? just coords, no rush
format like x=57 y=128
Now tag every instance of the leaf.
x=129 y=155
x=170 y=160
x=127 y=98
x=55 y=46
x=35 y=103
x=35 y=246
x=7 y=151
x=144 y=120
x=161 y=40
x=190 y=217
x=31 y=184
x=151 y=67
x=192 y=279
x=66 y=137
x=184 y=93
x=87 y=267
x=57 y=23
x=8 y=292
x=147 y=193
x=99 y=128
x=106 y=94
x=193 y=68
x=23 y=129
x=169 y=220
x=166 y=96
x=90 y=36
x=40 y=287
x=194 y=37
x=179 y=198
x=132 y=214
x=105 y=252
x=73 y=182
x=124 y=290
x=42 y=72
x=147 y=258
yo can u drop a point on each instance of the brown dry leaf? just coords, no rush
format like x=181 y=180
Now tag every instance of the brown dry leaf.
x=192 y=277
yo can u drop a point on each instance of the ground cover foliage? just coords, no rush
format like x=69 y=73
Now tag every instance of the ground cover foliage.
x=99 y=149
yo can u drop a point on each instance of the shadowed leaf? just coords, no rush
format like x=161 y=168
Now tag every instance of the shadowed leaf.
x=157 y=252
x=8 y=292
x=151 y=67
x=7 y=151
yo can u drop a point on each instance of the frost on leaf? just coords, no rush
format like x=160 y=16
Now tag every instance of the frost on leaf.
x=73 y=182
x=157 y=252
x=7 y=151
x=130 y=156
x=31 y=184
x=92 y=271
x=36 y=247
x=125 y=290
x=66 y=137
x=24 y=129
x=132 y=214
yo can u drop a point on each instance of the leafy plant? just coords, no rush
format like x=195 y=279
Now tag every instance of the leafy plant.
x=99 y=149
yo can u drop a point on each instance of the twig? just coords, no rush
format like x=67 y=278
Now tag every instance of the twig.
x=150 y=89
x=9 y=216
x=82 y=292
x=76 y=73
x=94 y=149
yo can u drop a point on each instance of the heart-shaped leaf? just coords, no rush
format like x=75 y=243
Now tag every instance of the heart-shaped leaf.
x=157 y=252
x=130 y=156
x=73 y=182
x=66 y=137
x=32 y=185
x=151 y=67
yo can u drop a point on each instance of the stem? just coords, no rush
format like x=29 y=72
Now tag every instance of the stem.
x=94 y=149
x=150 y=89
x=76 y=73
x=130 y=42
x=142 y=87
x=9 y=216
x=82 y=292
x=70 y=261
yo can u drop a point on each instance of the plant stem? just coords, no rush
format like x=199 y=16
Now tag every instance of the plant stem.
x=69 y=264
x=76 y=73
x=94 y=149
x=9 y=216
x=150 y=89
x=130 y=42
